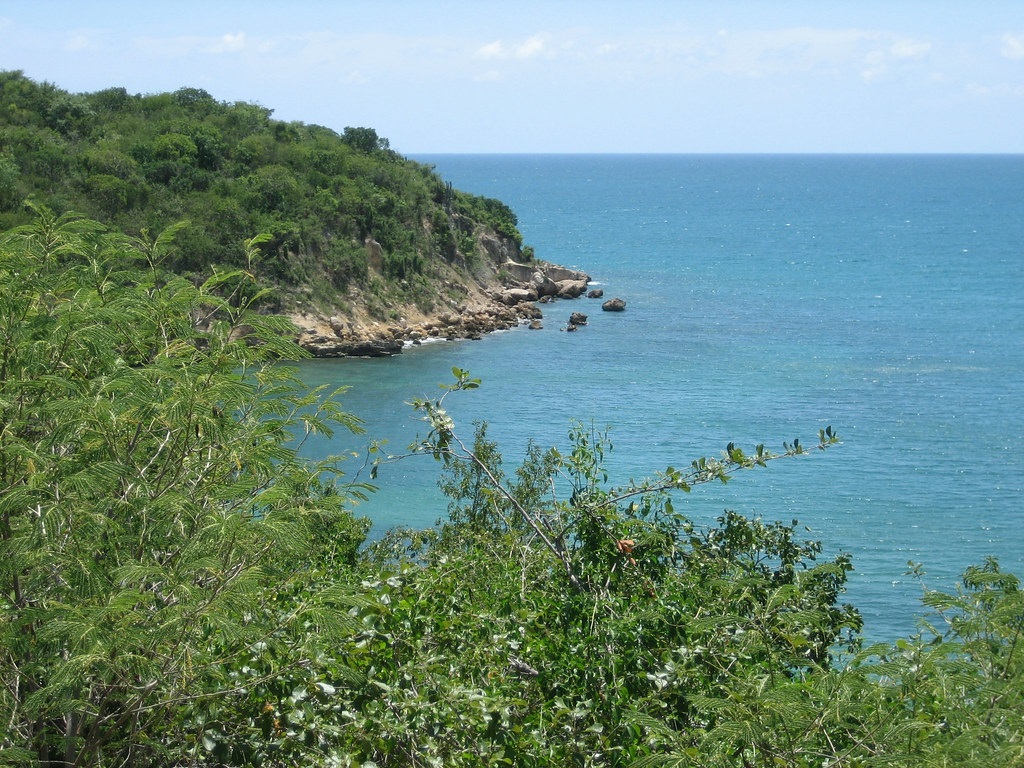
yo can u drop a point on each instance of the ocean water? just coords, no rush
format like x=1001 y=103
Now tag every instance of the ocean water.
x=767 y=297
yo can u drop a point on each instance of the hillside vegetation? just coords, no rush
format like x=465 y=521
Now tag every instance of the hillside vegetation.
x=352 y=226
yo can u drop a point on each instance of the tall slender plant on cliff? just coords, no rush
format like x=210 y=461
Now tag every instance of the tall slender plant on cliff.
x=152 y=505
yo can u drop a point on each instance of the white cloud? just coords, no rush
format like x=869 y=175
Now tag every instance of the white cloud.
x=493 y=50
x=529 y=48
x=766 y=53
x=816 y=48
x=227 y=43
x=874 y=66
x=745 y=53
x=191 y=45
x=879 y=62
x=909 y=49
x=79 y=42
x=1013 y=47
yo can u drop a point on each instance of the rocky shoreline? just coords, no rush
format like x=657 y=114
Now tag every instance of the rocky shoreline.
x=489 y=307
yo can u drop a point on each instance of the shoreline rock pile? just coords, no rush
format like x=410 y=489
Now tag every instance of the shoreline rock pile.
x=499 y=308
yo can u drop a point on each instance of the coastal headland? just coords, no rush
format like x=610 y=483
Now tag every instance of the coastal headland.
x=364 y=250
x=501 y=296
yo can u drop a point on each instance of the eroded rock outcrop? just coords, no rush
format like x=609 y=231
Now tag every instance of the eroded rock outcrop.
x=488 y=306
x=571 y=289
x=512 y=296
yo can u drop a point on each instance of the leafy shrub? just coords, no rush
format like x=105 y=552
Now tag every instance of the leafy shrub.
x=153 y=507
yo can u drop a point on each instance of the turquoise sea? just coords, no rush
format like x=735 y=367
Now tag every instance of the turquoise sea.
x=767 y=297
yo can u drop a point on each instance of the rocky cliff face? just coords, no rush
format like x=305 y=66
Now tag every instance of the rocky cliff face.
x=498 y=294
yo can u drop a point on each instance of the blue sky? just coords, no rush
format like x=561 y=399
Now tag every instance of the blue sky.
x=526 y=76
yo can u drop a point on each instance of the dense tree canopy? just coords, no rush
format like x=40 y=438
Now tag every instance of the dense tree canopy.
x=144 y=162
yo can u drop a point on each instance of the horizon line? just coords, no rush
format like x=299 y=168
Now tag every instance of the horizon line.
x=667 y=153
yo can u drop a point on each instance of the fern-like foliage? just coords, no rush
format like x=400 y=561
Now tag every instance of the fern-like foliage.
x=155 y=519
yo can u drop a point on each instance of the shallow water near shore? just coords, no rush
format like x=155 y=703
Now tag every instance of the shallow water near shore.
x=767 y=297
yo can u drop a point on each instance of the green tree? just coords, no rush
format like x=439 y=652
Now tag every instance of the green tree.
x=9 y=174
x=273 y=188
x=193 y=98
x=175 y=147
x=156 y=525
x=364 y=139
x=109 y=192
